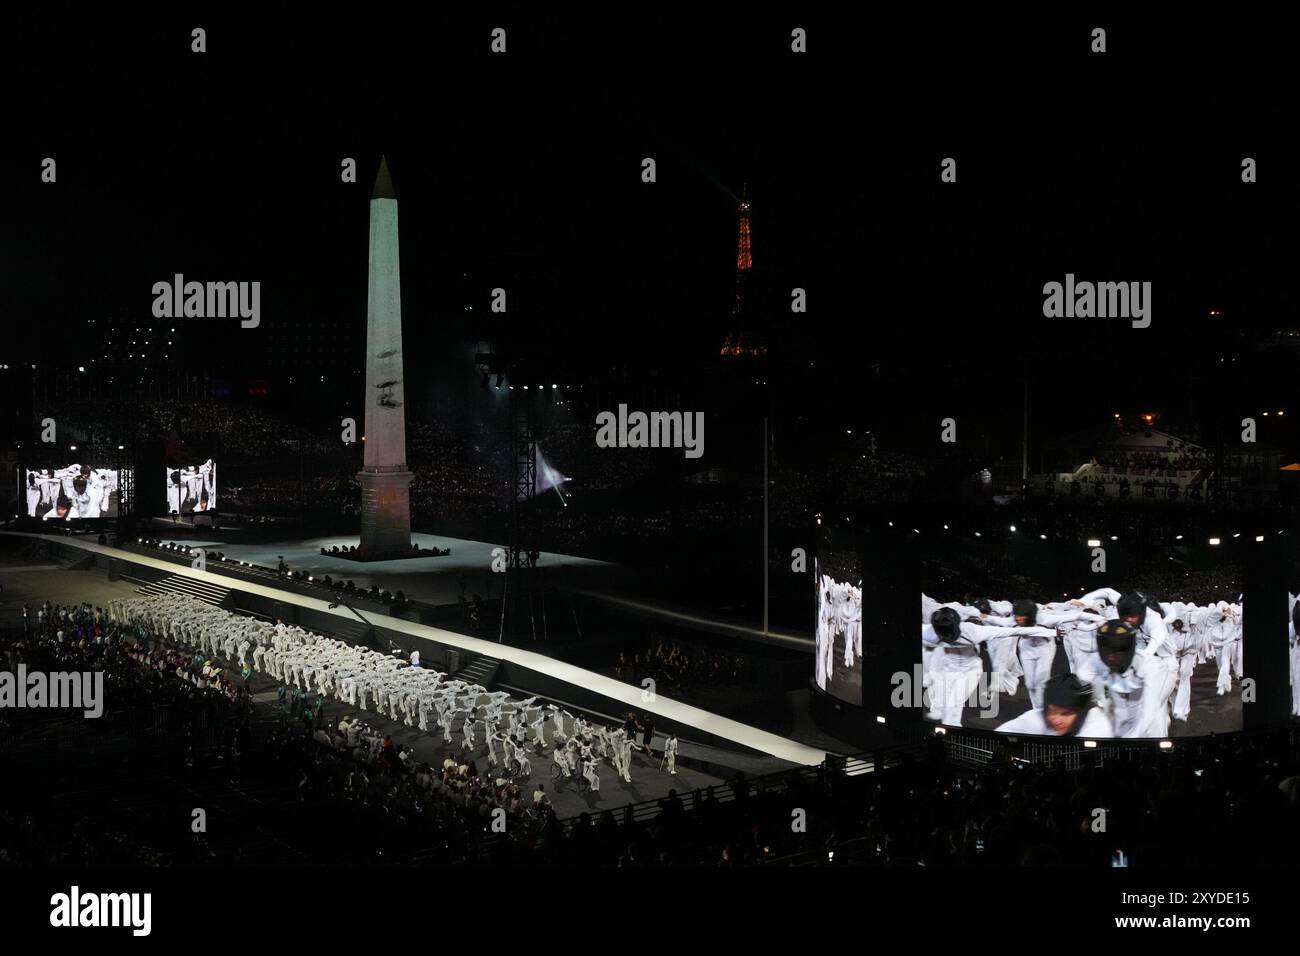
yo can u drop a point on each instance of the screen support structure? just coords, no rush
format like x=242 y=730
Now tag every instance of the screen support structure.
x=126 y=486
x=520 y=568
x=119 y=458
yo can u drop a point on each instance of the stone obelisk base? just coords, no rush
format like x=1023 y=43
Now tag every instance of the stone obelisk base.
x=385 y=514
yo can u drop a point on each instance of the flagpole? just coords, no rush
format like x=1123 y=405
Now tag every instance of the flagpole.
x=766 y=569
x=1024 y=458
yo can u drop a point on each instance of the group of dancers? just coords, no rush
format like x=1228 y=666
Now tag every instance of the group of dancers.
x=1103 y=665
x=192 y=489
x=590 y=743
x=839 y=613
x=77 y=491
x=402 y=689
x=1293 y=647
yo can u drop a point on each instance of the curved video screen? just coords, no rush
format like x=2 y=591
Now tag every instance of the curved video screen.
x=837 y=574
x=1293 y=650
x=192 y=488
x=73 y=491
x=1042 y=639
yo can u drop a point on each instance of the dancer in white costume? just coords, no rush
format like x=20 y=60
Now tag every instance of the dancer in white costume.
x=33 y=494
x=190 y=479
x=840 y=610
x=1171 y=638
x=1116 y=679
x=627 y=744
x=956 y=666
x=1186 y=624
x=670 y=753
x=208 y=473
x=175 y=490
x=1294 y=645
x=1008 y=671
x=825 y=648
x=356 y=675
x=1228 y=645
x=1155 y=659
x=1068 y=710
x=616 y=739
x=589 y=771
x=852 y=624
x=49 y=483
x=1038 y=651
x=494 y=737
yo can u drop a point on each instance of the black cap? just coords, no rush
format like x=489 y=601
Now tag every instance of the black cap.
x=1026 y=609
x=947 y=624
x=1116 y=640
x=1066 y=690
x=1133 y=604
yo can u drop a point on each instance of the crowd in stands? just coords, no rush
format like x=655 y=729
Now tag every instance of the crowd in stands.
x=1203 y=586
x=1010 y=814
x=622 y=504
x=856 y=474
x=1082 y=519
x=1152 y=463
x=440 y=812
x=380 y=805
x=186 y=694
x=929 y=812
x=606 y=526
x=461 y=475
x=1096 y=485
x=245 y=430
x=675 y=666
x=58 y=633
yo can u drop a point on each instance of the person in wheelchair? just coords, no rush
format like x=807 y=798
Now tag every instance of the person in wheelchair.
x=520 y=757
x=560 y=763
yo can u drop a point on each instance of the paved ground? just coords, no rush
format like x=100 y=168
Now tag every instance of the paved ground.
x=648 y=782
x=21 y=581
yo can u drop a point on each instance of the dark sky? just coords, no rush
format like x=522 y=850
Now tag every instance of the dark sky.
x=523 y=171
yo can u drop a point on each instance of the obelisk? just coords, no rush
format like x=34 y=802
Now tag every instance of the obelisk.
x=385 y=480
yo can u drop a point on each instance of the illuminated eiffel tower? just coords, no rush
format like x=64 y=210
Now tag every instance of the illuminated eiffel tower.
x=743 y=336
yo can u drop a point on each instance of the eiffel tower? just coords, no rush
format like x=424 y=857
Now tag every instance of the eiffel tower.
x=744 y=336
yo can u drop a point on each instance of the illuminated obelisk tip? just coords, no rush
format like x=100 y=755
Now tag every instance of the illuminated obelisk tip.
x=385 y=480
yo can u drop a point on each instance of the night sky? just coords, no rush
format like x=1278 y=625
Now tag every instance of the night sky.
x=522 y=171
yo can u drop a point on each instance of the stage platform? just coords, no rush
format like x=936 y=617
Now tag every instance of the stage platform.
x=435 y=581
x=438 y=581
x=538 y=673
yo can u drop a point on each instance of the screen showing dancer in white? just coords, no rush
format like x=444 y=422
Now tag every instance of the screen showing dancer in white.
x=77 y=491
x=1136 y=657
